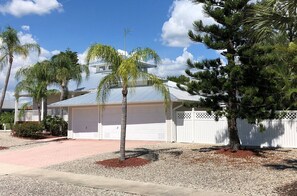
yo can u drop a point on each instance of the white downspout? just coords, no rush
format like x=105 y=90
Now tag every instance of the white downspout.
x=16 y=111
x=172 y=112
x=42 y=108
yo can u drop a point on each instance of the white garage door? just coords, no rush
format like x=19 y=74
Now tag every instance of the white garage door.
x=85 y=123
x=145 y=122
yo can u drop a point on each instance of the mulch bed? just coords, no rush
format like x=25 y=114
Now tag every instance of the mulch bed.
x=130 y=162
x=3 y=148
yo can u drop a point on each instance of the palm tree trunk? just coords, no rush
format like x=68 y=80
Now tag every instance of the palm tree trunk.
x=123 y=124
x=39 y=112
x=6 y=83
x=64 y=96
x=44 y=107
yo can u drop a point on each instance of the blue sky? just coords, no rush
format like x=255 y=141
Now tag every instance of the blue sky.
x=76 y=24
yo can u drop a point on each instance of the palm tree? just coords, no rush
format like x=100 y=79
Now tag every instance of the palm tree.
x=10 y=47
x=270 y=18
x=274 y=23
x=125 y=72
x=66 y=68
x=39 y=75
x=36 y=89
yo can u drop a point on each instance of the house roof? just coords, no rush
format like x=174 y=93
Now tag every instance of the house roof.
x=141 y=94
x=8 y=104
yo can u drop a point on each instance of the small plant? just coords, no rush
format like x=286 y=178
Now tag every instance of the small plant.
x=28 y=130
x=57 y=126
x=7 y=118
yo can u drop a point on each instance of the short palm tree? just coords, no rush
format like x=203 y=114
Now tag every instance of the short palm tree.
x=10 y=47
x=38 y=76
x=36 y=89
x=125 y=72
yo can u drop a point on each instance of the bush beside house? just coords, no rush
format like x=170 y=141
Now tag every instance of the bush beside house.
x=57 y=126
x=28 y=130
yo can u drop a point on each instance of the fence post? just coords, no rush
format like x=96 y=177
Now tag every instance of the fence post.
x=193 y=124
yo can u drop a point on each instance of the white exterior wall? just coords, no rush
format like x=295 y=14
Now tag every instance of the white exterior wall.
x=199 y=127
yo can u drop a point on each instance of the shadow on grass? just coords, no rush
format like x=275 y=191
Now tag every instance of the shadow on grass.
x=150 y=154
x=288 y=164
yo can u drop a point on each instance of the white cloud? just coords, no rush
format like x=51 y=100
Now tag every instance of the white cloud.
x=182 y=15
x=175 y=67
x=21 y=8
x=26 y=28
x=20 y=61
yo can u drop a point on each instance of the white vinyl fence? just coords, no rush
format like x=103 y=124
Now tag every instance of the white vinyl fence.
x=32 y=115
x=200 y=127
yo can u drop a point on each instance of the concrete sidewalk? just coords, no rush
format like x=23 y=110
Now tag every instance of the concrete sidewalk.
x=99 y=182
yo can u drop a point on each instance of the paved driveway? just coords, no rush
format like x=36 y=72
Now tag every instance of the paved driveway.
x=61 y=151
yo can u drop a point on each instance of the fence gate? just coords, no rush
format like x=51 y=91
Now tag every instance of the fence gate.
x=200 y=127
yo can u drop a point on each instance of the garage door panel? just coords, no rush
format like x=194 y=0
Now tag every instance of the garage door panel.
x=143 y=123
x=85 y=123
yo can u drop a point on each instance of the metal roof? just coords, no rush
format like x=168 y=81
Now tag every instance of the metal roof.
x=8 y=104
x=141 y=94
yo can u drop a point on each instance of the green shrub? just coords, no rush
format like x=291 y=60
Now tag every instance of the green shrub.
x=7 y=118
x=28 y=130
x=55 y=125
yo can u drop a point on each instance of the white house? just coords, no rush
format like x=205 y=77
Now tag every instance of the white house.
x=148 y=119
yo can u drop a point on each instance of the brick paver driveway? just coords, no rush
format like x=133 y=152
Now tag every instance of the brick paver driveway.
x=61 y=151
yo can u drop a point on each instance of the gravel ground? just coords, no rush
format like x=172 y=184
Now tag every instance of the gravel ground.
x=184 y=165
x=6 y=140
x=24 y=186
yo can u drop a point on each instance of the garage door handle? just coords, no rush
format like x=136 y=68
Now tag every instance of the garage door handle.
x=86 y=127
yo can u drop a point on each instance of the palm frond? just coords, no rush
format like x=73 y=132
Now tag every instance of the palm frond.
x=159 y=86
x=104 y=87
x=106 y=53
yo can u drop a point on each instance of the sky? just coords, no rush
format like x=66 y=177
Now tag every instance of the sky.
x=56 y=25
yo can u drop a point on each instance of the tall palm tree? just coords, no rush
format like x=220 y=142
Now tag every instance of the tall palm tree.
x=66 y=68
x=40 y=75
x=125 y=72
x=10 y=47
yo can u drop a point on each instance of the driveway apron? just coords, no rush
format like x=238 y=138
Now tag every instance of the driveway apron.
x=62 y=151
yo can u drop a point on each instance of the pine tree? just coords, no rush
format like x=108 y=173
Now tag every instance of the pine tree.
x=239 y=88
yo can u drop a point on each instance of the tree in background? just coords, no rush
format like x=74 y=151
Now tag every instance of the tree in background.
x=10 y=47
x=179 y=79
x=233 y=89
x=66 y=68
x=125 y=72
x=273 y=24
